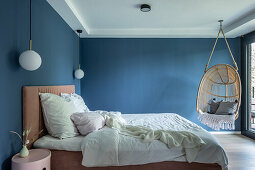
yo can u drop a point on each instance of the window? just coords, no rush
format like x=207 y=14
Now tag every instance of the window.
x=248 y=85
x=251 y=80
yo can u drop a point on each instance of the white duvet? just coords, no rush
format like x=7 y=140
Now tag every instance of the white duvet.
x=109 y=147
x=133 y=151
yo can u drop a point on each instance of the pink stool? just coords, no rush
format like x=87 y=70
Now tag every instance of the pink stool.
x=38 y=159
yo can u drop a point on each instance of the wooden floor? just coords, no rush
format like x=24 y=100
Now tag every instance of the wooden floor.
x=240 y=151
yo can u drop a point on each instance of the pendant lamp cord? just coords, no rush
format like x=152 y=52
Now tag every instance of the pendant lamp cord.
x=221 y=31
x=30 y=26
x=79 y=50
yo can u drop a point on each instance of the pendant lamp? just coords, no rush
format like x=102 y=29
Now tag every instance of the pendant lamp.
x=29 y=59
x=79 y=74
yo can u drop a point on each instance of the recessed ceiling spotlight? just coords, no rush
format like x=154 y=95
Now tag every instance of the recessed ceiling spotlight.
x=145 y=8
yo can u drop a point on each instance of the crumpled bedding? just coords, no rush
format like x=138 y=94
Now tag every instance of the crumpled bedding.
x=133 y=151
x=118 y=147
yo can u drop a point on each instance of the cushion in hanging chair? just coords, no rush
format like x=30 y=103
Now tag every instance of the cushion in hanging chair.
x=226 y=108
x=213 y=106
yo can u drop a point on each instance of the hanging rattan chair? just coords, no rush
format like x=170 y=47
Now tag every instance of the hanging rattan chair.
x=221 y=82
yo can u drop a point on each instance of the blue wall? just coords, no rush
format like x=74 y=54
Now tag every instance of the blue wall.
x=57 y=44
x=149 y=75
x=129 y=75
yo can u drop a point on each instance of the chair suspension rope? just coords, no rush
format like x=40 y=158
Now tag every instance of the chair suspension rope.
x=221 y=31
x=212 y=51
x=229 y=49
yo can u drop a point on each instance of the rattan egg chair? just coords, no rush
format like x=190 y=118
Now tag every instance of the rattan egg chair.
x=221 y=82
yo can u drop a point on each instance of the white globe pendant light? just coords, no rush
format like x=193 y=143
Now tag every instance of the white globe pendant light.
x=79 y=73
x=29 y=59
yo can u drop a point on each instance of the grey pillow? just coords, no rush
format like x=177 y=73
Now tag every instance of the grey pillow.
x=227 y=108
x=213 y=106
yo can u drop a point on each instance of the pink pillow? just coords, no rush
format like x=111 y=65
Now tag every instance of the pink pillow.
x=88 y=122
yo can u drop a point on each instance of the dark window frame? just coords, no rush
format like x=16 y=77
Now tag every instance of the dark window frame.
x=245 y=73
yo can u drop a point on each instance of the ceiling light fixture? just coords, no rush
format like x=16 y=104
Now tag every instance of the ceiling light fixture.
x=145 y=8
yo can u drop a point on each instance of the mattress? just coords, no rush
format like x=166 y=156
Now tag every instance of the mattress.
x=133 y=151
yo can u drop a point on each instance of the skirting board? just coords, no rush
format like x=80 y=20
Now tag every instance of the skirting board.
x=225 y=132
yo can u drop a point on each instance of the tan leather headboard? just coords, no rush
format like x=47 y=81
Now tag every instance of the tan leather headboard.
x=32 y=112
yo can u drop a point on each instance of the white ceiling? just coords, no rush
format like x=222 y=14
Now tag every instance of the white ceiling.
x=167 y=18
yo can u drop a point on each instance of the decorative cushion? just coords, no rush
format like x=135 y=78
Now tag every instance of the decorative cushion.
x=227 y=108
x=88 y=122
x=57 y=112
x=77 y=100
x=213 y=106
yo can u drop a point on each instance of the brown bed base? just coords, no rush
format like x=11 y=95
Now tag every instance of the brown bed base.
x=64 y=160
x=67 y=160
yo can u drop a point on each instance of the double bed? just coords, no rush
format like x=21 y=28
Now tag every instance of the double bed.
x=67 y=153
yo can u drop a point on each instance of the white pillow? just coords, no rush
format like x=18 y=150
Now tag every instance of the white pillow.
x=77 y=100
x=88 y=122
x=57 y=112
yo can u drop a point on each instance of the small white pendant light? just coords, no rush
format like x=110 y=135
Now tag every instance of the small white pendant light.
x=79 y=74
x=29 y=59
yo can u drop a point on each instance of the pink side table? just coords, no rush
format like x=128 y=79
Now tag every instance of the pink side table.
x=38 y=159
